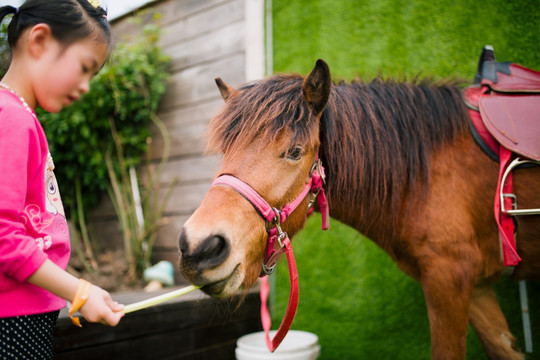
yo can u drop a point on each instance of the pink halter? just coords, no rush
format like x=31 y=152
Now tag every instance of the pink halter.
x=274 y=218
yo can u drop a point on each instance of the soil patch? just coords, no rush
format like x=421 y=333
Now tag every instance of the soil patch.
x=111 y=272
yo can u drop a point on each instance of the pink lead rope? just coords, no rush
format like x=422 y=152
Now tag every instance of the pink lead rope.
x=286 y=323
x=275 y=218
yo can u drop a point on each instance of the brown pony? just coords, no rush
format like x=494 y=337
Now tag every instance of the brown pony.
x=402 y=168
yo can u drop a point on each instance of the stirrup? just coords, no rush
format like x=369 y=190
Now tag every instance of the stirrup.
x=515 y=211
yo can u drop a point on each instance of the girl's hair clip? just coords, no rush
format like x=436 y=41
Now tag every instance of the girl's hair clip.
x=95 y=3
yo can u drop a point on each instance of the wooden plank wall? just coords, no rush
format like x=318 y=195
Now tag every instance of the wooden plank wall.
x=205 y=39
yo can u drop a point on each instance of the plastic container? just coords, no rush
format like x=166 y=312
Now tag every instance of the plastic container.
x=297 y=345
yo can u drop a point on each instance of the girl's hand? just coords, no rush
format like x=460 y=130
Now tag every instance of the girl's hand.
x=100 y=307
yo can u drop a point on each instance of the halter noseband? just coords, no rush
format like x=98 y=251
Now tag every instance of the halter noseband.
x=273 y=219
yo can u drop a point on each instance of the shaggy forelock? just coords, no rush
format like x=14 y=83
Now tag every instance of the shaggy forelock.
x=270 y=108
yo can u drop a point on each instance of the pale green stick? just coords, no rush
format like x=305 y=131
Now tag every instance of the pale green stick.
x=159 y=299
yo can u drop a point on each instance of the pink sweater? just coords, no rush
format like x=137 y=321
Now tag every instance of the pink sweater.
x=33 y=226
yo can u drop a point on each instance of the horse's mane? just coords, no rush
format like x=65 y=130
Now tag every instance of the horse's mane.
x=376 y=138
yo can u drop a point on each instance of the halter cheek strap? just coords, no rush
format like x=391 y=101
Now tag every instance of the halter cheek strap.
x=274 y=218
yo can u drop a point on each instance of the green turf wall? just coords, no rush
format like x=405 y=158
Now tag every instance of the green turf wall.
x=351 y=294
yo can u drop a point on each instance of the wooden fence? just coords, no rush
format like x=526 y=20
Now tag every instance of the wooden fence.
x=204 y=39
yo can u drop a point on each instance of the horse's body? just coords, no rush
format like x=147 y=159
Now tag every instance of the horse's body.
x=402 y=168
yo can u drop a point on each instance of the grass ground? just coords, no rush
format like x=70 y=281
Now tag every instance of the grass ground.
x=351 y=294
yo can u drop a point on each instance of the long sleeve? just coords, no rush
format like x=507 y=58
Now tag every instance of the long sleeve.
x=21 y=166
x=33 y=226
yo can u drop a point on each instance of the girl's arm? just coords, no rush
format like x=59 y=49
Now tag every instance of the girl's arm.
x=98 y=308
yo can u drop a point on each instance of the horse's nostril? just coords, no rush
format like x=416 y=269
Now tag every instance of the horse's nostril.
x=213 y=246
x=182 y=242
x=213 y=251
x=210 y=253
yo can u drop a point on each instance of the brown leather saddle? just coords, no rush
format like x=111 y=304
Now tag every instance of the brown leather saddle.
x=504 y=108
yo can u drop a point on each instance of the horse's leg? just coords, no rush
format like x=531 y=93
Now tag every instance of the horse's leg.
x=490 y=324
x=448 y=288
x=452 y=258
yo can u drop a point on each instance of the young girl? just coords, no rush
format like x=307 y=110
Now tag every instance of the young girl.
x=57 y=46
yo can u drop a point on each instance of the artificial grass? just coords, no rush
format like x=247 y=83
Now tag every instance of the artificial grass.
x=354 y=297
x=351 y=293
x=433 y=38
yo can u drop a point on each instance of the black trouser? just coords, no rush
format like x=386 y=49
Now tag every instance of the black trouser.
x=27 y=337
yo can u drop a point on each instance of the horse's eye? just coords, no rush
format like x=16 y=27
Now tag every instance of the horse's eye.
x=295 y=153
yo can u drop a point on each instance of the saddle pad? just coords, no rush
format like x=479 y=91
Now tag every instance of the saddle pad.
x=514 y=121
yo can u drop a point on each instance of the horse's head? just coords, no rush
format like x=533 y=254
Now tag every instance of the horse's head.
x=268 y=133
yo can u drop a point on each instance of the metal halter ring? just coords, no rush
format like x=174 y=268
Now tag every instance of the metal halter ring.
x=317 y=165
x=277 y=223
x=268 y=270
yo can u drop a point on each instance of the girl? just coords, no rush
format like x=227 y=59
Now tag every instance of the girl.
x=57 y=46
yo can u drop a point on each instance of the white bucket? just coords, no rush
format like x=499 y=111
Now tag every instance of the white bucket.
x=297 y=345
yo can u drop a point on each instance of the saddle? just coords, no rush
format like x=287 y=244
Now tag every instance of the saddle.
x=504 y=107
x=507 y=96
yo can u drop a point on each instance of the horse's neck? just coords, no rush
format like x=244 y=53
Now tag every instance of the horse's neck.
x=342 y=148
x=377 y=141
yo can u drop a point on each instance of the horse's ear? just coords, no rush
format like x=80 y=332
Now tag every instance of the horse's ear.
x=224 y=89
x=317 y=86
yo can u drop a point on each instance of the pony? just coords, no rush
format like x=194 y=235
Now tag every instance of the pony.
x=402 y=168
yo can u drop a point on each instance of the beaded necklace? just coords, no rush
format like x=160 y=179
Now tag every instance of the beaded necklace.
x=24 y=103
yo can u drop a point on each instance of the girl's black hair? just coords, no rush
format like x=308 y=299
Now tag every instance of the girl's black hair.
x=69 y=20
